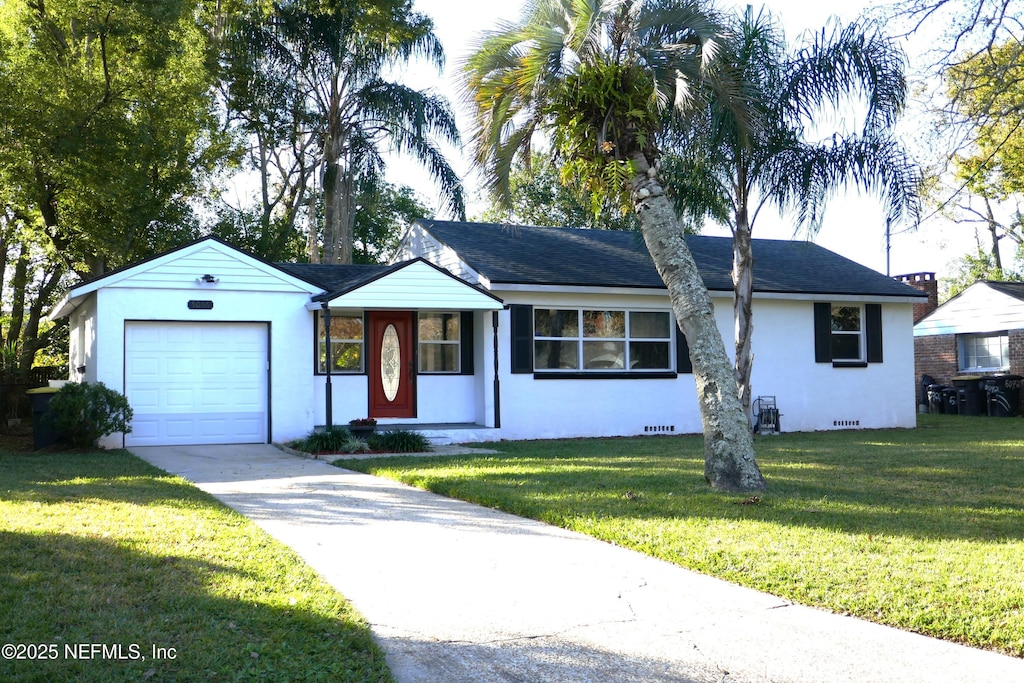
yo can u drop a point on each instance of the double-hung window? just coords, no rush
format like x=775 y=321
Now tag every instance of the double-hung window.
x=983 y=352
x=346 y=344
x=848 y=335
x=439 y=342
x=600 y=340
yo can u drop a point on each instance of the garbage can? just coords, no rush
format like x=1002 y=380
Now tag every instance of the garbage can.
x=43 y=432
x=973 y=400
x=935 y=403
x=1003 y=394
x=951 y=400
x=923 y=404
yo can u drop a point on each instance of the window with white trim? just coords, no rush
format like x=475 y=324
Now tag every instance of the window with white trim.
x=847 y=333
x=598 y=340
x=439 y=342
x=983 y=352
x=346 y=344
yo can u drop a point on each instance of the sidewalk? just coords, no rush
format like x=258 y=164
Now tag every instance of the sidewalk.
x=459 y=593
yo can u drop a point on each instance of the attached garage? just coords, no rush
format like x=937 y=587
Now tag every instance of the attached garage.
x=197 y=383
x=209 y=345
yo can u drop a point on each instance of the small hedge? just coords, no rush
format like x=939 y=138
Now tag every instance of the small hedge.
x=84 y=412
x=400 y=441
x=340 y=440
x=326 y=441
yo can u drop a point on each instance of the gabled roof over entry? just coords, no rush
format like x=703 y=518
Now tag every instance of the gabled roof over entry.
x=416 y=284
x=507 y=254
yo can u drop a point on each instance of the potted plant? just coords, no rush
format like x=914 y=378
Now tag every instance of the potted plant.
x=363 y=426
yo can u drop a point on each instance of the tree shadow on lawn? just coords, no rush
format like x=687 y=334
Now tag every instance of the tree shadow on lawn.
x=878 y=482
x=69 y=590
x=115 y=476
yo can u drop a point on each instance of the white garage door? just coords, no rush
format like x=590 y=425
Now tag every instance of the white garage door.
x=196 y=383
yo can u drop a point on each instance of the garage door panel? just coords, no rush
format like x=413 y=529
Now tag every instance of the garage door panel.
x=143 y=367
x=179 y=399
x=144 y=399
x=196 y=383
x=145 y=428
x=183 y=368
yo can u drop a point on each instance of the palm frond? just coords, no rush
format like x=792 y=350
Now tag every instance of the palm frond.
x=804 y=177
x=855 y=59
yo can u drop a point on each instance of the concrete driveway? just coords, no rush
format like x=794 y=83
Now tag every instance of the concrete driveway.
x=459 y=593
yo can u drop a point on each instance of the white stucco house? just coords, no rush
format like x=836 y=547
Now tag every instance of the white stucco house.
x=480 y=332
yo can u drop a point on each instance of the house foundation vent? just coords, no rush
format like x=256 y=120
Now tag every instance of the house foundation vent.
x=659 y=429
x=846 y=423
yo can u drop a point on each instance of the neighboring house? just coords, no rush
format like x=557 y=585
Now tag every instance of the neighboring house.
x=480 y=332
x=978 y=332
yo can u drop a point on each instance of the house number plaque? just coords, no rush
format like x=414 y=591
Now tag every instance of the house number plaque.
x=390 y=363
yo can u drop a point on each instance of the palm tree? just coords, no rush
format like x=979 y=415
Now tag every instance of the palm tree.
x=328 y=59
x=726 y=172
x=599 y=77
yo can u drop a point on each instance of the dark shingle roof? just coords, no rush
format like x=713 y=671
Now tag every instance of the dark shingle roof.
x=607 y=258
x=1014 y=289
x=334 y=278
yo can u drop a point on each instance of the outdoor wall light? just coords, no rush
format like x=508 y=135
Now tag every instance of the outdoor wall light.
x=208 y=279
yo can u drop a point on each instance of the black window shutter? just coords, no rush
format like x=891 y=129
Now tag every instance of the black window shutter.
x=873 y=331
x=466 y=342
x=822 y=333
x=683 y=364
x=522 y=338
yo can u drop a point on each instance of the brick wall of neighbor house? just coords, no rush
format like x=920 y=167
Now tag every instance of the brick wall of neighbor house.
x=937 y=356
x=927 y=283
x=1016 y=352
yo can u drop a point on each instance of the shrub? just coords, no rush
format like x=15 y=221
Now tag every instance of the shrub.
x=401 y=441
x=84 y=412
x=328 y=440
x=354 y=445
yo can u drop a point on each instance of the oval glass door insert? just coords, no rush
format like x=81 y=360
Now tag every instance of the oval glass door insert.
x=390 y=363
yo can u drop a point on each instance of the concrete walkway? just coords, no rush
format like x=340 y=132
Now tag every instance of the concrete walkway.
x=459 y=593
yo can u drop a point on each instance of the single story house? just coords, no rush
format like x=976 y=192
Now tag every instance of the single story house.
x=980 y=331
x=480 y=332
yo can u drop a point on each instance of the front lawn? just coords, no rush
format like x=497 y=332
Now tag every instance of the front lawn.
x=920 y=529
x=111 y=570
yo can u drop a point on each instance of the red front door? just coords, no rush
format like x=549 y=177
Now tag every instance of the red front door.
x=392 y=364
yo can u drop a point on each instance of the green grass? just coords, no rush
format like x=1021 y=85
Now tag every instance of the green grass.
x=920 y=529
x=103 y=548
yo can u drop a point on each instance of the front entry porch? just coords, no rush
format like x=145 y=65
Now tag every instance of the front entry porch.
x=444 y=433
x=441 y=433
x=413 y=347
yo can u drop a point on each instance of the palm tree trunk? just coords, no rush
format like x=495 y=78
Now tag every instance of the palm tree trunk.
x=339 y=201
x=993 y=228
x=332 y=208
x=743 y=293
x=347 y=220
x=729 y=460
x=312 y=244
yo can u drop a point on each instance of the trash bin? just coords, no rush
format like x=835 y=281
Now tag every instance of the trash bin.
x=951 y=400
x=973 y=400
x=935 y=403
x=1003 y=394
x=926 y=381
x=43 y=432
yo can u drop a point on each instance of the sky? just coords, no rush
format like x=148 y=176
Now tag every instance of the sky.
x=854 y=224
